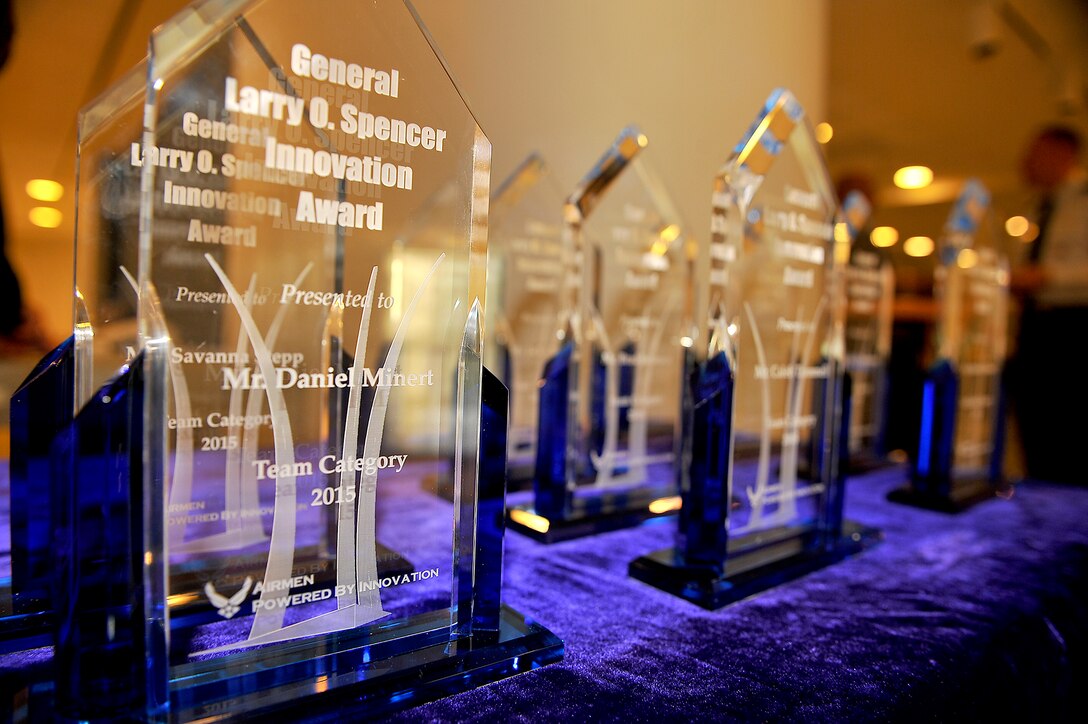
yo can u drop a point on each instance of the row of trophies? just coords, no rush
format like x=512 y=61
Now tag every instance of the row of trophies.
x=283 y=249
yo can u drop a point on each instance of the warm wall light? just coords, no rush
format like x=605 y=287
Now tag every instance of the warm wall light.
x=913 y=177
x=918 y=246
x=1017 y=226
x=824 y=132
x=884 y=236
x=41 y=189
x=45 y=217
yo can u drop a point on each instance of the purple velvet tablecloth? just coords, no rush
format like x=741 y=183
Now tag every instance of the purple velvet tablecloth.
x=978 y=616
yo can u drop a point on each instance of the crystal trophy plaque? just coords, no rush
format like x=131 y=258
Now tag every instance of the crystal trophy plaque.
x=961 y=440
x=104 y=331
x=609 y=421
x=321 y=359
x=870 y=293
x=525 y=281
x=766 y=380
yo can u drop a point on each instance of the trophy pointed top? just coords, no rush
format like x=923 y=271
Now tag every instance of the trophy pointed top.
x=627 y=146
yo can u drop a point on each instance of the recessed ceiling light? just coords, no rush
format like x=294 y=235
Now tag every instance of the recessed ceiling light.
x=884 y=236
x=45 y=217
x=41 y=189
x=824 y=132
x=918 y=246
x=913 y=177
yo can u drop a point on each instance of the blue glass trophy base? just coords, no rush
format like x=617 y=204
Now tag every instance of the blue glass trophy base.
x=964 y=493
x=40 y=408
x=42 y=405
x=595 y=515
x=857 y=464
x=936 y=482
x=22 y=631
x=519 y=475
x=623 y=497
x=748 y=572
x=374 y=679
x=867 y=462
x=518 y=478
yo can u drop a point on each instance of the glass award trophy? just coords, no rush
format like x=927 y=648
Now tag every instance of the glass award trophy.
x=961 y=441
x=609 y=421
x=525 y=278
x=870 y=293
x=103 y=338
x=766 y=397
x=241 y=528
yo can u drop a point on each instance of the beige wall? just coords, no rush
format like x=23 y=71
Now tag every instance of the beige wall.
x=562 y=77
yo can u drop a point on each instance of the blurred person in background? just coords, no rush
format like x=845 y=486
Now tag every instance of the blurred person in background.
x=1049 y=373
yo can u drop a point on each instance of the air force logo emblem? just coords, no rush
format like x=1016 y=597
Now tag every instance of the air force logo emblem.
x=227 y=607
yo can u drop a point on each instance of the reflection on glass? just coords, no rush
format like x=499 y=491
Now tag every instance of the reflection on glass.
x=870 y=292
x=525 y=281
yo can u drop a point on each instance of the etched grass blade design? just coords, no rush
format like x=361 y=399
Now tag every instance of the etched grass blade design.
x=346 y=572
x=365 y=538
x=282 y=548
x=759 y=492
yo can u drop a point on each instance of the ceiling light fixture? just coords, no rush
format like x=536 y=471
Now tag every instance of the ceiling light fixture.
x=41 y=189
x=884 y=236
x=913 y=177
x=918 y=246
x=1017 y=226
x=45 y=217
